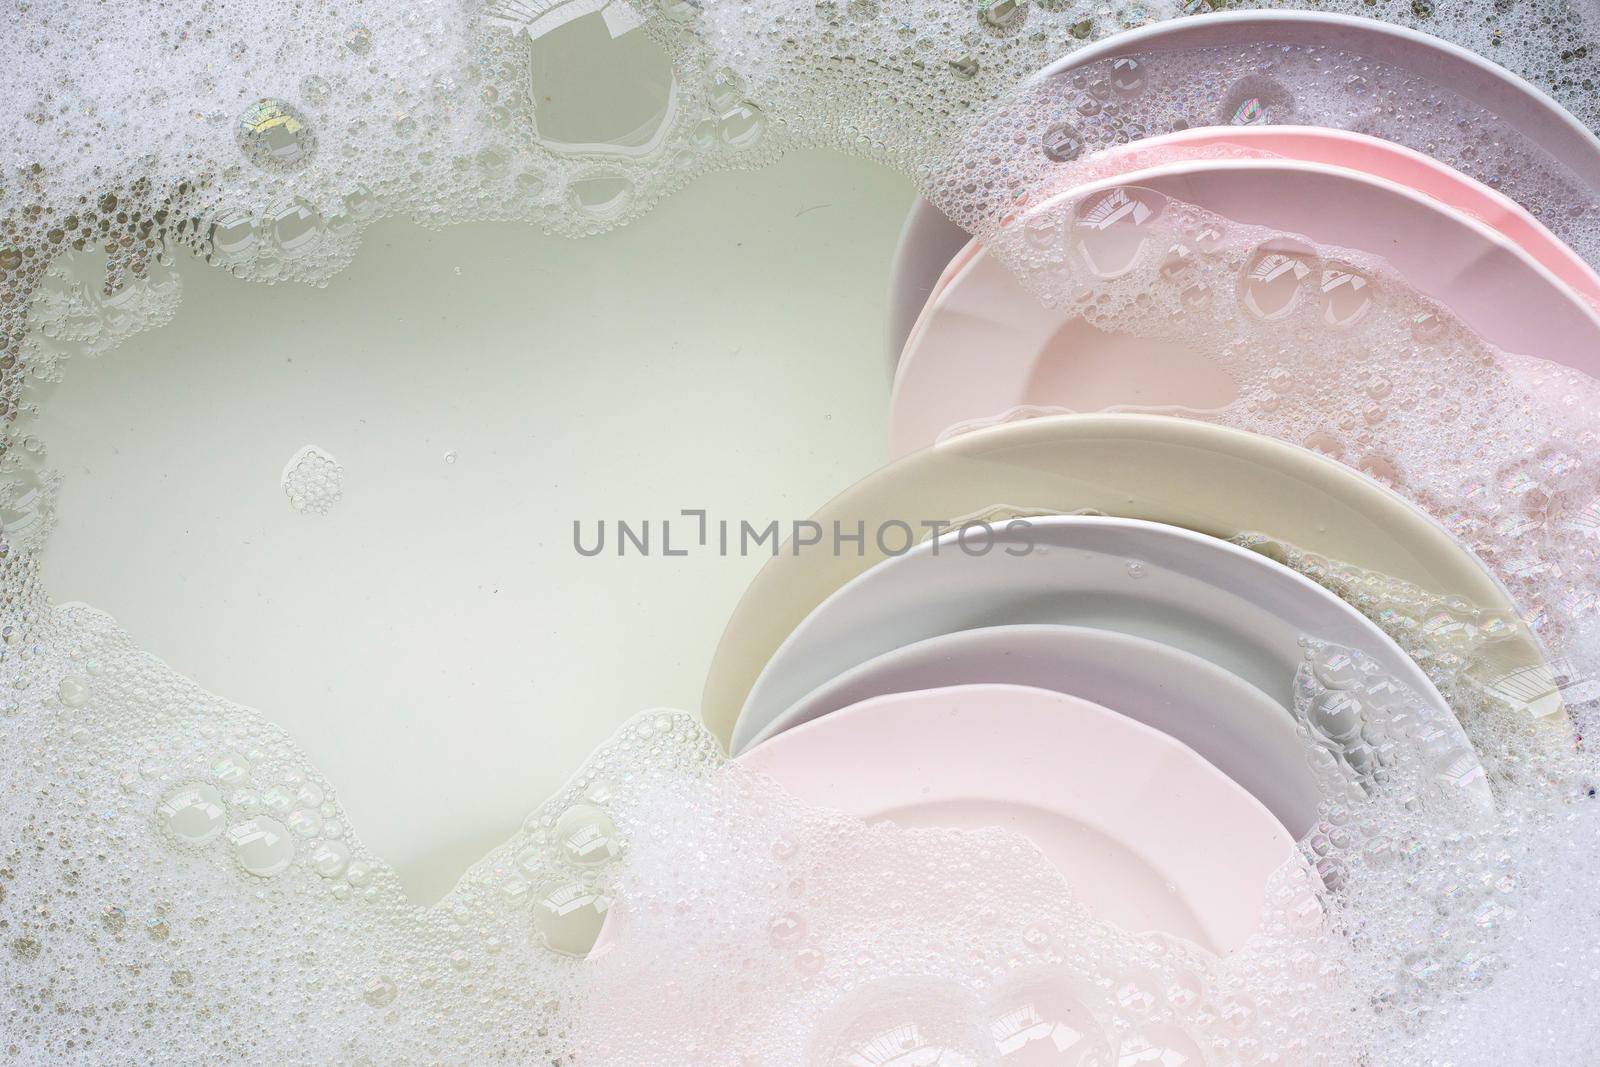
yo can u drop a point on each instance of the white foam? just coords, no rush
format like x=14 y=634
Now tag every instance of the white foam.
x=312 y=480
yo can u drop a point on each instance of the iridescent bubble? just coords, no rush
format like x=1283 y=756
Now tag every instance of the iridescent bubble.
x=329 y=858
x=587 y=836
x=262 y=846
x=360 y=203
x=1427 y=326
x=1110 y=228
x=277 y=799
x=1127 y=75
x=529 y=183
x=1450 y=631
x=1195 y=295
x=358 y=39
x=600 y=196
x=1458 y=768
x=1336 y=668
x=1002 y=16
x=569 y=916
x=378 y=991
x=305 y=822
x=725 y=91
x=1136 y=995
x=315 y=90
x=233 y=235
x=787 y=929
x=742 y=125
x=193 y=814
x=275 y=137
x=517 y=889
x=27 y=506
x=1041 y=1019
x=1249 y=112
x=73 y=691
x=964 y=68
x=493 y=162
x=1178 y=264
x=232 y=769
x=1346 y=296
x=1272 y=282
x=918 y=1022
x=1160 y=1046
x=1336 y=714
x=1256 y=101
x=296 y=226
x=679 y=10
x=1062 y=143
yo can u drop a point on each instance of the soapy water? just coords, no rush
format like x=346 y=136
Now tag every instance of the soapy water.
x=179 y=884
x=273 y=171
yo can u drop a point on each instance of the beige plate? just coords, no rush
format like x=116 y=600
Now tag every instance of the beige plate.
x=1202 y=477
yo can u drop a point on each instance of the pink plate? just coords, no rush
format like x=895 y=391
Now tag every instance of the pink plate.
x=928 y=239
x=1403 y=166
x=1133 y=819
x=1339 y=148
x=1033 y=355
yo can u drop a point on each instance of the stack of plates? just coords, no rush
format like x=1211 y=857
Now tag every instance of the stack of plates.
x=1118 y=671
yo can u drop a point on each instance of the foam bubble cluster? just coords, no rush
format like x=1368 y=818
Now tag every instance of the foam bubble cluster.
x=313 y=481
x=178 y=883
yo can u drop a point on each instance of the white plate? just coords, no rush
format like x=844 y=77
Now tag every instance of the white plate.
x=1233 y=607
x=928 y=242
x=1232 y=724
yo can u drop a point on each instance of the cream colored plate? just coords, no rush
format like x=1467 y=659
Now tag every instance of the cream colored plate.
x=1206 y=478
